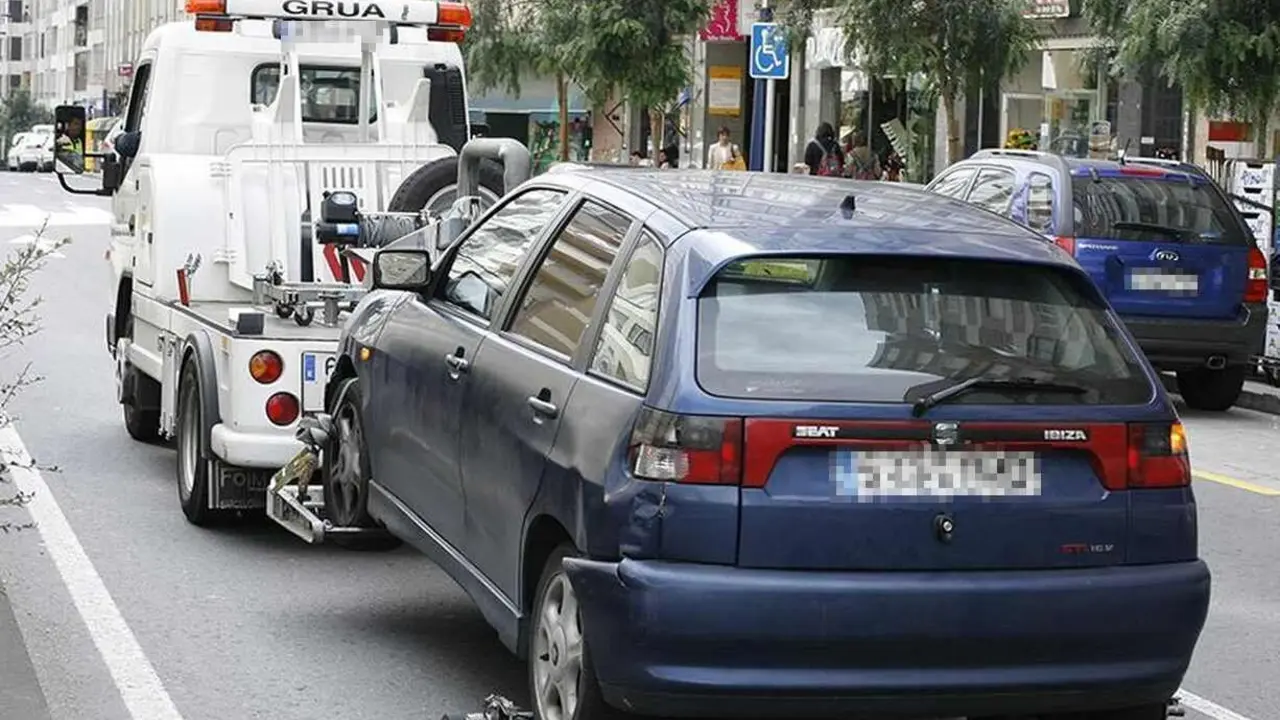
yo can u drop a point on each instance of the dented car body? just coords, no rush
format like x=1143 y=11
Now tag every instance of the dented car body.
x=869 y=449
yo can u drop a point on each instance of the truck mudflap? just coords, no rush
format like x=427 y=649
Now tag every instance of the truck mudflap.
x=295 y=499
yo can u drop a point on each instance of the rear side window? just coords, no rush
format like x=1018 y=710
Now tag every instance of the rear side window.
x=993 y=190
x=1040 y=203
x=1153 y=209
x=870 y=328
x=952 y=184
x=624 y=349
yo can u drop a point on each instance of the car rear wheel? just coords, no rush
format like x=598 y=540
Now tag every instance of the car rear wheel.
x=562 y=682
x=1213 y=390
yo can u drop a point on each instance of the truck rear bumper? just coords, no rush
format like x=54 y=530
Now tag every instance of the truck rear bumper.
x=268 y=450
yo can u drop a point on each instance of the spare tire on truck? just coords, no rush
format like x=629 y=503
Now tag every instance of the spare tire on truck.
x=434 y=187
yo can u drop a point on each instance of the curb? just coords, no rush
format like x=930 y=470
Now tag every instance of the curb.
x=1263 y=402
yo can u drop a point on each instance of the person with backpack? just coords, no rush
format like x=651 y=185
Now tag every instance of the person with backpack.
x=823 y=154
x=863 y=164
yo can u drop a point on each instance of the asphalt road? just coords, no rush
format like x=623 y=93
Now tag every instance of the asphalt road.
x=247 y=622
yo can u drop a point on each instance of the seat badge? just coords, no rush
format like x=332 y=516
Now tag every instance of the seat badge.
x=946 y=433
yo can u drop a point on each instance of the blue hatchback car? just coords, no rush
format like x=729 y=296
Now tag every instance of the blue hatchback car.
x=1170 y=252
x=716 y=444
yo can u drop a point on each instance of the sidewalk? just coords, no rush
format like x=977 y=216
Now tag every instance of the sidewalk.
x=20 y=694
x=1257 y=395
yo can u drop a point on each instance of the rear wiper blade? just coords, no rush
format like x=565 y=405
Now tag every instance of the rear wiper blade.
x=1173 y=232
x=1020 y=384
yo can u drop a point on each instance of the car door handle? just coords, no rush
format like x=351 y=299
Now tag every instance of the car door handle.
x=457 y=365
x=543 y=408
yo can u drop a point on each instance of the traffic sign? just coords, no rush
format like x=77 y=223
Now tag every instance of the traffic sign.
x=770 y=59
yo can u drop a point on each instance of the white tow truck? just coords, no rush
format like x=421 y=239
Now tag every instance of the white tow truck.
x=265 y=143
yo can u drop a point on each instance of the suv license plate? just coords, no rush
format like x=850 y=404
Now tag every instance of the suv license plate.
x=1160 y=281
x=925 y=473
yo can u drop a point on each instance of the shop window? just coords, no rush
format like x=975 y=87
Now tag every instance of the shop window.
x=993 y=190
x=1040 y=204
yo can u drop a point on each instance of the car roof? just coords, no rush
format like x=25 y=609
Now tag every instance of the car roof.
x=1150 y=167
x=733 y=214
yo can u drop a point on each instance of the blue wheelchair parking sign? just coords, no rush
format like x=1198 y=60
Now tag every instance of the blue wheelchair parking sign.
x=769 y=57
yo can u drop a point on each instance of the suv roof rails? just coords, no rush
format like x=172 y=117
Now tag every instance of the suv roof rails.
x=989 y=153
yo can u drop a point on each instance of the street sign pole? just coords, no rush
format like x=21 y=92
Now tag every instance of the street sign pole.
x=770 y=112
x=770 y=62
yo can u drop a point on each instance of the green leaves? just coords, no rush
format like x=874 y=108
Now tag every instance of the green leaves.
x=20 y=112
x=1223 y=53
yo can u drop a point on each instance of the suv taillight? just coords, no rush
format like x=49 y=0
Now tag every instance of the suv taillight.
x=1066 y=243
x=1255 y=286
x=1158 y=456
x=695 y=449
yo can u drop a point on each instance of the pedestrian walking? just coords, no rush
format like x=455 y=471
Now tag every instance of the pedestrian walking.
x=722 y=151
x=823 y=154
x=862 y=163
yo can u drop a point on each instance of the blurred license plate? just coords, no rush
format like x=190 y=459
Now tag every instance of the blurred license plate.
x=1161 y=281
x=867 y=475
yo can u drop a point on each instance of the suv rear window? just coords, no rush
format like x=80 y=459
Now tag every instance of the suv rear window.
x=870 y=328
x=1132 y=207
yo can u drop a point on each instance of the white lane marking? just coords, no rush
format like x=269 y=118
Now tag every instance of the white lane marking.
x=32 y=216
x=135 y=678
x=1207 y=707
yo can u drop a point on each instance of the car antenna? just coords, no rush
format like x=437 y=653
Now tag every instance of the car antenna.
x=848 y=206
x=1125 y=152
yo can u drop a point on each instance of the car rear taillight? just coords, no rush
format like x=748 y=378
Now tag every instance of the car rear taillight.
x=695 y=449
x=1066 y=243
x=1255 y=286
x=1158 y=456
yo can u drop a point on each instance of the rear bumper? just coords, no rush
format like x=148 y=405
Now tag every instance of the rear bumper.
x=1183 y=344
x=269 y=450
x=701 y=640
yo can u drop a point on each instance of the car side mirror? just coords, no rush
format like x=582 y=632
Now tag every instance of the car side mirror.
x=408 y=269
x=68 y=139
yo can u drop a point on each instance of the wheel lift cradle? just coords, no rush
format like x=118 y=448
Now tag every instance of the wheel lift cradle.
x=294 y=501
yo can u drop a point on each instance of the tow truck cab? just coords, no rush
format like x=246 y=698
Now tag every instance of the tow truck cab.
x=240 y=123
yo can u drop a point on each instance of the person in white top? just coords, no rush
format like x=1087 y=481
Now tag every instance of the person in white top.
x=722 y=152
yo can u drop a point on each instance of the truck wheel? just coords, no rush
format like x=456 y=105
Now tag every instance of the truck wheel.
x=434 y=187
x=194 y=471
x=143 y=425
x=562 y=682
x=1212 y=390
x=346 y=470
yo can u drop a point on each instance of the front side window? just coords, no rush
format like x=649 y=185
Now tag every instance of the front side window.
x=624 y=350
x=871 y=328
x=329 y=94
x=488 y=258
x=558 y=305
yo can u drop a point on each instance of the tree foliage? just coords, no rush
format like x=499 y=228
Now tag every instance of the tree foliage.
x=19 y=112
x=1224 y=53
x=602 y=46
x=954 y=43
x=19 y=320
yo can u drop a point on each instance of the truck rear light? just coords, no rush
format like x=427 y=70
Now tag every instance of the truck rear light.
x=453 y=13
x=694 y=449
x=282 y=408
x=266 y=367
x=1158 y=456
x=1066 y=243
x=206 y=7
x=1255 y=286
x=445 y=34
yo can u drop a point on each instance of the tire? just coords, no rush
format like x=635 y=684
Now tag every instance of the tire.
x=142 y=424
x=345 y=472
x=550 y=648
x=434 y=187
x=1153 y=711
x=1212 y=390
x=193 y=470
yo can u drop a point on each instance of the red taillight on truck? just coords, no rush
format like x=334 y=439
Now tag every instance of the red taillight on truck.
x=266 y=367
x=694 y=449
x=282 y=408
x=1255 y=286
x=1158 y=456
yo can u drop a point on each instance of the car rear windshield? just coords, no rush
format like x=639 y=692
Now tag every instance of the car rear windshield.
x=1129 y=207
x=870 y=328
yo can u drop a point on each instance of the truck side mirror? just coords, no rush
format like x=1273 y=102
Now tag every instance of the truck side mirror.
x=68 y=139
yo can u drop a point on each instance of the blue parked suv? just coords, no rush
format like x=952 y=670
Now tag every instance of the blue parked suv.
x=1170 y=252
